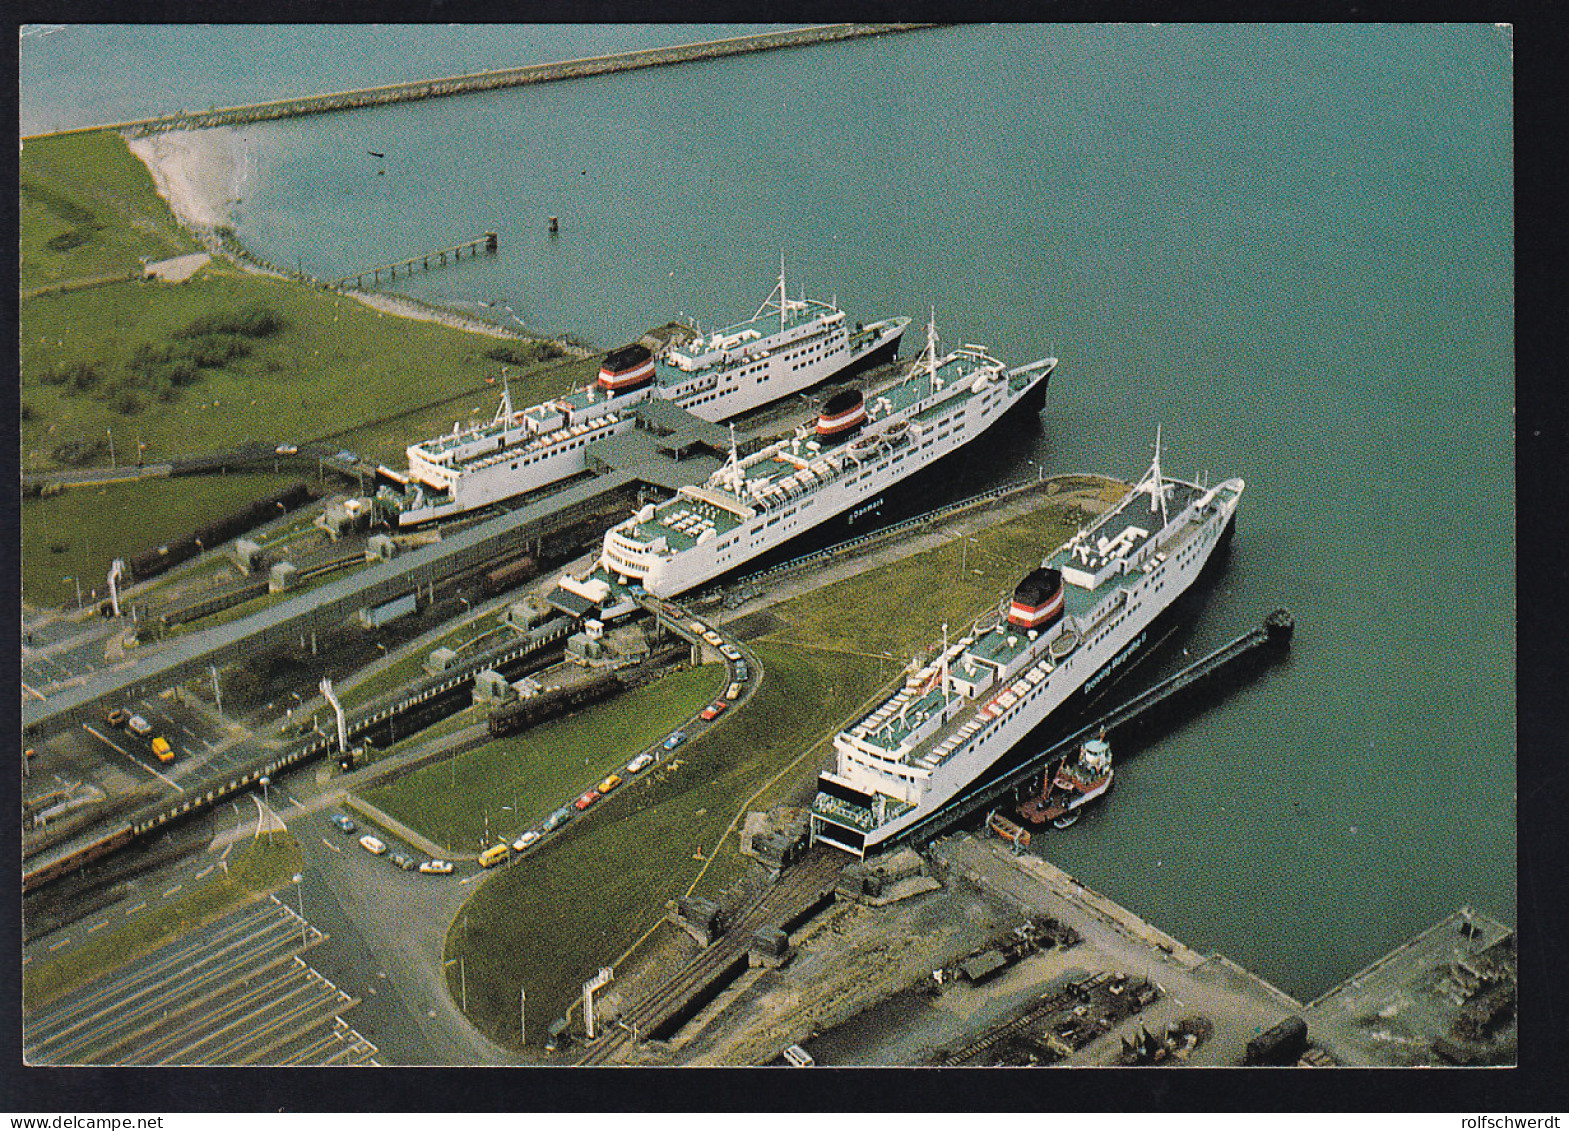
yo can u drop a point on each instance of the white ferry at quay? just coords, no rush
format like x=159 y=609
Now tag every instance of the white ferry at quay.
x=857 y=449
x=788 y=345
x=1069 y=624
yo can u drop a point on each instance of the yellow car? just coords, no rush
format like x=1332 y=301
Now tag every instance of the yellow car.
x=609 y=783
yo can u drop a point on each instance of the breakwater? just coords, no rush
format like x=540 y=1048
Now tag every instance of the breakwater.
x=494 y=80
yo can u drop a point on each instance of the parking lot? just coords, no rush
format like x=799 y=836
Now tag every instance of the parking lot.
x=240 y=991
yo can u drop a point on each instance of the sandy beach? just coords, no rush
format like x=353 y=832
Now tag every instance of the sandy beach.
x=197 y=172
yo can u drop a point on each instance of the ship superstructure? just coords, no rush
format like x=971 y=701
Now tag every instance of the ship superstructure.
x=788 y=345
x=1082 y=615
x=858 y=447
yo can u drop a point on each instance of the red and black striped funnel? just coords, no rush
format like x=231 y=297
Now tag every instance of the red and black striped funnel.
x=1037 y=602
x=625 y=369
x=842 y=415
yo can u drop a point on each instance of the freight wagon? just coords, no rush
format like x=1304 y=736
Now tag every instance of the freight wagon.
x=150 y=563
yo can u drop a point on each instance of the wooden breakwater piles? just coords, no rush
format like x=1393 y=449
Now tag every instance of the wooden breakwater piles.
x=497 y=80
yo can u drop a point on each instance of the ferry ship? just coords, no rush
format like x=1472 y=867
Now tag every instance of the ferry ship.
x=1082 y=615
x=788 y=345
x=856 y=449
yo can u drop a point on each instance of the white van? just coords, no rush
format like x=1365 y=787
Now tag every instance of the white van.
x=372 y=845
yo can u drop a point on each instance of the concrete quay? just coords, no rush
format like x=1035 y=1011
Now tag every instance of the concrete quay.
x=1241 y=1005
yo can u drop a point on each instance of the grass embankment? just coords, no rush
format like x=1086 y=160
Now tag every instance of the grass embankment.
x=260 y=867
x=95 y=525
x=88 y=208
x=453 y=802
x=594 y=891
x=185 y=368
x=404 y=671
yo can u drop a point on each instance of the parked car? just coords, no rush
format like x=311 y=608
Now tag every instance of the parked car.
x=286 y=449
x=733 y=692
x=525 y=840
x=162 y=749
x=372 y=845
x=139 y=726
x=343 y=824
x=402 y=861
x=714 y=710
x=675 y=740
x=609 y=784
x=560 y=817
x=119 y=717
x=436 y=867
x=636 y=764
x=586 y=800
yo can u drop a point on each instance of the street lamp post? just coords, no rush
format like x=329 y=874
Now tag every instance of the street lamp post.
x=267 y=805
x=78 y=591
x=300 y=892
x=112 y=463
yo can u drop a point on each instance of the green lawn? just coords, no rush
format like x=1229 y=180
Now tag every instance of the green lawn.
x=336 y=365
x=97 y=524
x=88 y=208
x=403 y=671
x=258 y=867
x=589 y=894
x=453 y=802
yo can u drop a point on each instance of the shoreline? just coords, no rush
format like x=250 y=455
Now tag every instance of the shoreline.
x=198 y=173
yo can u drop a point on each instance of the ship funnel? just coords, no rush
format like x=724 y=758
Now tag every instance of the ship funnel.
x=842 y=416
x=625 y=369
x=1038 y=599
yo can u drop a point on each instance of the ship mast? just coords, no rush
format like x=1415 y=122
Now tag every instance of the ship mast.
x=1157 y=484
x=945 y=663
x=504 y=413
x=929 y=354
x=733 y=470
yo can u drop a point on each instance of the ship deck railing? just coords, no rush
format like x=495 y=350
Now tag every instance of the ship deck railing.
x=838 y=809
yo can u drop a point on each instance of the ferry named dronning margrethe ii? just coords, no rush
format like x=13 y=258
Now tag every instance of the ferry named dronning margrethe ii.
x=1082 y=615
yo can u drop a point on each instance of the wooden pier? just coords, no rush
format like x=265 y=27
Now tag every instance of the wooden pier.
x=486 y=242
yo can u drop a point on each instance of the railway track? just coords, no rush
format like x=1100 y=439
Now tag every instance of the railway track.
x=800 y=887
x=1066 y=998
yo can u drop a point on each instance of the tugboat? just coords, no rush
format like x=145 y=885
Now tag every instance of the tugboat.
x=1078 y=781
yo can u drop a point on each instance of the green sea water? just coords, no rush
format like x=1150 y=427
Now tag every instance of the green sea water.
x=1290 y=247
